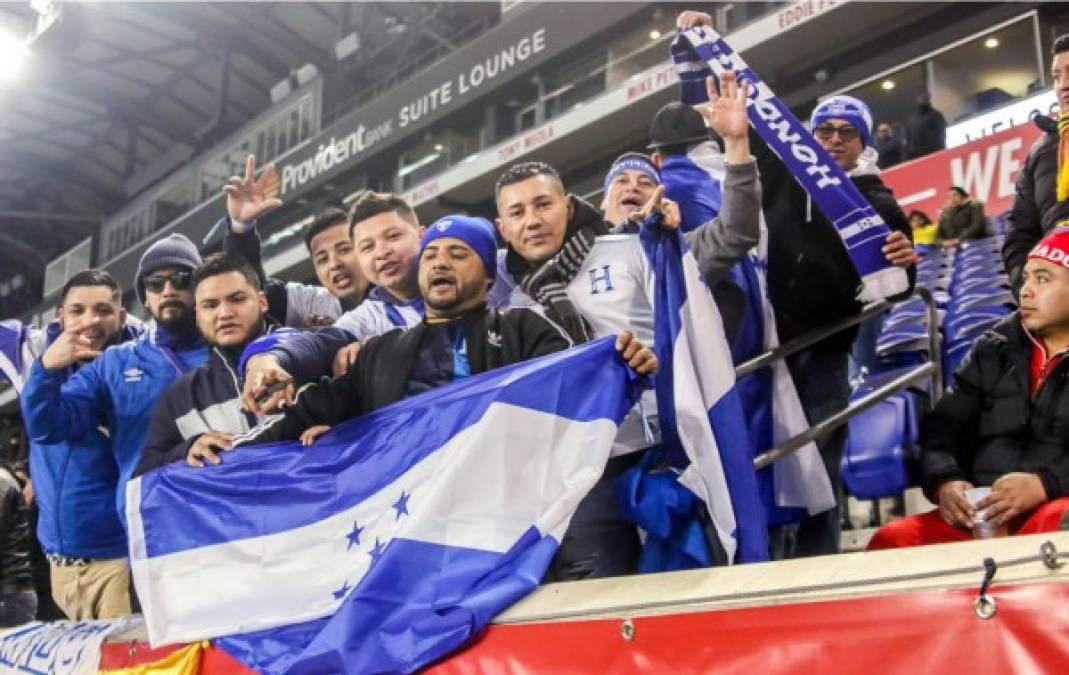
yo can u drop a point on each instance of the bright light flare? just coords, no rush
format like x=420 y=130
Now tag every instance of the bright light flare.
x=12 y=55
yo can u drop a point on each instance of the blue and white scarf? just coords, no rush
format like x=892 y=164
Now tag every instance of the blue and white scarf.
x=701 y=52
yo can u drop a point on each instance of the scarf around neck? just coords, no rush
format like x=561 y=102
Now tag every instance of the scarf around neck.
x=547 y=282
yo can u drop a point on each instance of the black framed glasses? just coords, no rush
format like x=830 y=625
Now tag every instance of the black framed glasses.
x=847 y=132
x=180 y=280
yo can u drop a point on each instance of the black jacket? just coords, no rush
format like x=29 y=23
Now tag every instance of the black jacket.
x=988 y=424
x=926 y=132
x=16 y=572
x=381 y=372
x=1036 y=209
x=811 y=279
x=892 y=151
x=207 y=398
x=962 y=222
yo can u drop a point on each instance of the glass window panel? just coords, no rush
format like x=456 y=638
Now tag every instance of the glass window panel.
x=986 y=72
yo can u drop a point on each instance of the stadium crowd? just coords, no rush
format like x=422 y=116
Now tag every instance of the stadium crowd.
x=233 y=357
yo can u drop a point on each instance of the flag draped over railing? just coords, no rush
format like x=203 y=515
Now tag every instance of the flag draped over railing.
x=394 y=538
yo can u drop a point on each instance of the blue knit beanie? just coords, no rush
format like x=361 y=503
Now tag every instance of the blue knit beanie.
x=848 y=108
x=477 y=233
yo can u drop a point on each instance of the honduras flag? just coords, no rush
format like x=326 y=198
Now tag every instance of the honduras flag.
x=394 y=538
x=700 y=412
x=797 y=483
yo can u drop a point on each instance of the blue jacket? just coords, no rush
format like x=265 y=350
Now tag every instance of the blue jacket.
x=74 y=482
x=117 y=390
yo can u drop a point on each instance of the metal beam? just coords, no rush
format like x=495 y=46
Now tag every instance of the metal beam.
x=45 y=215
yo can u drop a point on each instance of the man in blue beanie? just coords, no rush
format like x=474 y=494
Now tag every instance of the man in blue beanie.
x=458 y=337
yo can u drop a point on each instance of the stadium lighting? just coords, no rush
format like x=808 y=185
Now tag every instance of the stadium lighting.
x=991 y=42
x=888 y=85
x=655 y=34
x=12 y=55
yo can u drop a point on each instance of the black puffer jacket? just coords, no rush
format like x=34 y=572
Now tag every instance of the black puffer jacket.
x=16 y=573
x=989 y=425
x=1036 y=209
x=811 y=279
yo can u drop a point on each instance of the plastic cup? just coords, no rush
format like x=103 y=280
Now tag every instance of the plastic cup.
x=981 y=527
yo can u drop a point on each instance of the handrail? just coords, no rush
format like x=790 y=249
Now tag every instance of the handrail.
x=931 y=369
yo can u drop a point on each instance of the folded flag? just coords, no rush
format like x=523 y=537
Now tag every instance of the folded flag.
x=392 y=540
x=701 y=52
x=700 y=411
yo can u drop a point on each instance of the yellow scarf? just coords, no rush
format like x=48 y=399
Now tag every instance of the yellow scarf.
x=1062 y=189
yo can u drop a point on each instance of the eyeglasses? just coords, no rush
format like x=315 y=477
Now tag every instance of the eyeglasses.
x=847 y=132
x=180 y=280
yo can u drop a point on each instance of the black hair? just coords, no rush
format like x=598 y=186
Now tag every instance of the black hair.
x=328 y=217
x=517 y=173
x=370 y=204
x=223 y=263
x=922 y=214
x=1061 y=44
x=91 y=277
x=960 y=191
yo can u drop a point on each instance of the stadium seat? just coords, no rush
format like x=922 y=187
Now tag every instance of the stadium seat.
x=873 y=465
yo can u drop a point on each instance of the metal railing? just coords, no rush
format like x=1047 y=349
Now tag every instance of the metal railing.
x=931 y=369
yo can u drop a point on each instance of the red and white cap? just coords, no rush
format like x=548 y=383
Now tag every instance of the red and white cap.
x=1054 y=247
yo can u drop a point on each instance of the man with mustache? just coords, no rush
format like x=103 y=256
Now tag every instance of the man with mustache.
x=199 y=413
x=119 y=387
x=459 y=336
x=74 y=481
x=386 y=236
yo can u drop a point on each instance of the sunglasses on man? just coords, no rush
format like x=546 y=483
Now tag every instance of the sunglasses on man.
x=154 y=283
x=847 y=132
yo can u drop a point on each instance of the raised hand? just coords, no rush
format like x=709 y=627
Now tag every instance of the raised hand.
x=726 y=110
x=249 y=198
x=657 y=202
x=690 y=19
x=69 y=348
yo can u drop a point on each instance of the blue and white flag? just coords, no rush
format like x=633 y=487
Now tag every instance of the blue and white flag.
x=702 y=422
x=701 y=51
x=395 y=537
x=769 y=399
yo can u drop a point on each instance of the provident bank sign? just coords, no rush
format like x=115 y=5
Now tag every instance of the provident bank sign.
x=492 y=59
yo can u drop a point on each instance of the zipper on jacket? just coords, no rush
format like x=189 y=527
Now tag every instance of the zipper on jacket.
x=237 y=383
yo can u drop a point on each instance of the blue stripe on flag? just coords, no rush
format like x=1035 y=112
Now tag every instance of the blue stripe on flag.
x=254 y=491
x=672 y=322
x=419 y=602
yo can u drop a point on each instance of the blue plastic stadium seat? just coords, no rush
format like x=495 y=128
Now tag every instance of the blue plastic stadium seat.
x=968 y=326
x=873 y=464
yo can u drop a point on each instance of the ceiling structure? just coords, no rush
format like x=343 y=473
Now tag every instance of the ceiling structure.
x=110 y=88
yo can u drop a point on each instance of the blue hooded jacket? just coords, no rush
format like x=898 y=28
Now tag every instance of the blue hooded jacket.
x=117 y=391
x=74 y=481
